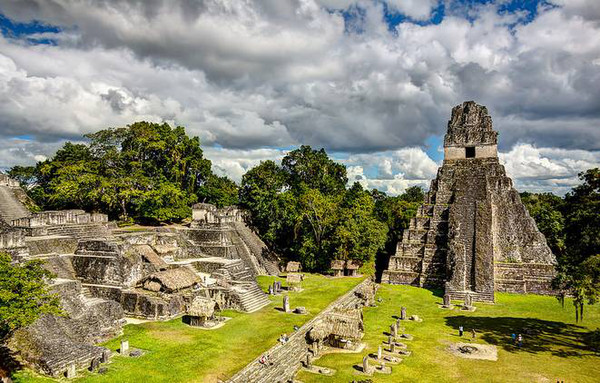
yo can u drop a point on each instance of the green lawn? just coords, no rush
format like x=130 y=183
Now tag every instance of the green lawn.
x=554 y=352
x=178 y=353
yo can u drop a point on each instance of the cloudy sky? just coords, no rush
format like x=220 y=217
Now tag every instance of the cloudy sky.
x=372 y=81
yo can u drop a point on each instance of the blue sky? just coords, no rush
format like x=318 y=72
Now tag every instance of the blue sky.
x=371 y=81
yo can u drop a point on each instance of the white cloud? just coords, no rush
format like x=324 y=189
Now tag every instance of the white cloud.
x=543 y=169
x=235 y=163
x=248 y=75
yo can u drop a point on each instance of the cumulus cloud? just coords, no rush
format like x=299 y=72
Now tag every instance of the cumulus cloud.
x=235 y=163
x=391 y=171
x=245 y=76
x=542 y=169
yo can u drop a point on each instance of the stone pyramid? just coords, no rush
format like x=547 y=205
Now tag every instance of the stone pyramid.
x=473 y=234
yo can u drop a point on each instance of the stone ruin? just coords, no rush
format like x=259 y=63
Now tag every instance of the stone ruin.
x=342 y=268
x=338 y=323
x=473 y=235
x=105 y=274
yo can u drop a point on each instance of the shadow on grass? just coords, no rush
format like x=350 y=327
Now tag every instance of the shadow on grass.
x=560 y=339
x=437 y=292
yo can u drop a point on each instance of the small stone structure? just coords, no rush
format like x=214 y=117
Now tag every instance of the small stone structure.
x=341 y=268
x=337 y=266
x=472 y=234
x=200 y=311
x=341 y=328
x=124 y=349
x=293 y=267
x=352 y=268
x=170 y=281
x=294 y=281
x=365 y=366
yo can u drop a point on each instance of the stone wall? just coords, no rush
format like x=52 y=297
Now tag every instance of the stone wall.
x=102 y=262
x=59 y=217
x=5 y=180
x=204 y=213
x=11 y=239
x=459 y=152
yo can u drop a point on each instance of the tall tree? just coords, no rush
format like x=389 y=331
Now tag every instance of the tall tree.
x=313 y=169
x=302 y=209
x=147 y=172
x=547 y=211
x=582 y=224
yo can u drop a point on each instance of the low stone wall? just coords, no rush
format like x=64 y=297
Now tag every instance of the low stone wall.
x=12 y=239
x=531 y=278
x=7 y=181
x=48 y=245
x=59 y=217
x=204 y=213
x=60 y=266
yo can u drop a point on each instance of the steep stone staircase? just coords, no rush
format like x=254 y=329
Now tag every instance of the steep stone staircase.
x=252 y=298
x=420 y=257
x=256 y=249
x=10 y=206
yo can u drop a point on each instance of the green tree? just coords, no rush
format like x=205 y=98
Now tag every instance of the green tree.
x=413 y=194
x=547 y=211
x=583 y=283
x=261 y=193
x=24 y=295
x=358 y=235
x=313 y=169
x=147 y=172
x=221 y=191
x=579 y=269
x=304 y=212
x=582 y=224
x=315 y=225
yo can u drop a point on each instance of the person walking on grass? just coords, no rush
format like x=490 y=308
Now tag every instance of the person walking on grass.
x=460 y=331
x=520 y=340
x=514 y=338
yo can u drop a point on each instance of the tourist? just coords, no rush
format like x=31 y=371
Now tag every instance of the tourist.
x=473 y=333
x=520 y=340
x=514 y=338
x=460 y=330
x=283 y=339
x=263 y=360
